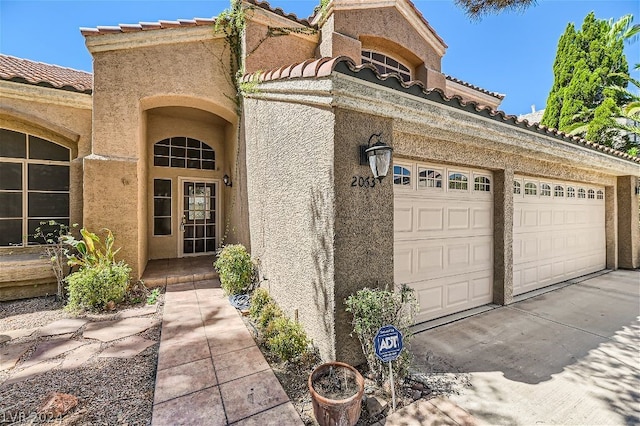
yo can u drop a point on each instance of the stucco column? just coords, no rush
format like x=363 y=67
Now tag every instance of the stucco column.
x=363 y=237
x=628 y=226
x=611 y=226
x=503 y=237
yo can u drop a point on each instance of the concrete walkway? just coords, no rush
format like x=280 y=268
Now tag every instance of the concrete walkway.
x=569 y=356
x=210 y=371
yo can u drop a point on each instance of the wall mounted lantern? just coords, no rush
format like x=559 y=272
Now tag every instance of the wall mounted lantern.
x=377 y=156
x=226 y=180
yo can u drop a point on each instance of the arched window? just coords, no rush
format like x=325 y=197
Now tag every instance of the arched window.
x=386 y=64
x=530 y=188
x=545 y=190
x=517 y=187
x=581 y=193
x=458 y=181
x=429 y=178
x=571 y=192
x=34 y=186
x=482 y=183
x=591 y=194
x=401 y=176
x=184 y=153
x=558 y=191
x=600 y=195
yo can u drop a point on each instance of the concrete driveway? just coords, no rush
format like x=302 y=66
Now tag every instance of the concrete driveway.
x=569 y=356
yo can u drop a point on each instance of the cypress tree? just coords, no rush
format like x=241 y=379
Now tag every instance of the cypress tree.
x=583 y=68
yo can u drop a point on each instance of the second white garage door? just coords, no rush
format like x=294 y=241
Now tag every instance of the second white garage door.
x=558 y=232
x=443 y=236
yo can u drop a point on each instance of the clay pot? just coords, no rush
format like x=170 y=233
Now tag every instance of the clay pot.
x=337 y=412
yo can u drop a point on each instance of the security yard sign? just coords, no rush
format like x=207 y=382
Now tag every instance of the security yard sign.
x=388 y=343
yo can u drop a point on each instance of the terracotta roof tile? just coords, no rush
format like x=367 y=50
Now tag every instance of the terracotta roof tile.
x=479 y=89
x=182 y=23
x=40 y=74
x=278 y=11
x=147 y=26
x=325 y=66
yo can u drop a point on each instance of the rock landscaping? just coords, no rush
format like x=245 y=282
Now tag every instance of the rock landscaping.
x=66 y=369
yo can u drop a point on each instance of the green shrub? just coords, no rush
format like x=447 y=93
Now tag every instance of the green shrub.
x=268 y=314
x=374 y=308
x=93 y=287
x=235 y=268
x=287 y=339
x=91 y=250
x=259 y=299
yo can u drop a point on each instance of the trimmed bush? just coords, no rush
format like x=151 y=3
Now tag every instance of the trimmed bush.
x=93 y=287
x=373 y=308
x=259 y=299
x=235 y=268
x=287 y=339
x=268 y=314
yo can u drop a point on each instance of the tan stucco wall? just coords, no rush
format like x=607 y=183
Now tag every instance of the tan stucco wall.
x=56 y=115
x=503 y=236
x=372 y=27
x=267 y=52
x=292 y=209
x=363 y=223
x=628 y=223
x=130 y=78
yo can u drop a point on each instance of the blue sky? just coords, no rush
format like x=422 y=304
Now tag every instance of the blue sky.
x=510 y=53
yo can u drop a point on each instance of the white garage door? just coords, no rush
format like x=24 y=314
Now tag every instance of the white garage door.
x=558 y=232
x=443 y=239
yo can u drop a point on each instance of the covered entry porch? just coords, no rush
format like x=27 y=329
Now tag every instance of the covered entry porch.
x=160 y=272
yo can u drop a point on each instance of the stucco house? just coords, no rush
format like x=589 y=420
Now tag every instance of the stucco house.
x=478 y=207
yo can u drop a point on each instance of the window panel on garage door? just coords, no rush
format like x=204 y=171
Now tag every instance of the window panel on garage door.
x=443 y=222
x=558 y=232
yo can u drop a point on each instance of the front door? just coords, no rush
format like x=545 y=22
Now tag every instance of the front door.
x=198 y=228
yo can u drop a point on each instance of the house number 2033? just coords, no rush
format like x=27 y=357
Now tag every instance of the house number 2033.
x=363 y=181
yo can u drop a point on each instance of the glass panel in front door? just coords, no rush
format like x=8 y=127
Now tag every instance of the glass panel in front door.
x=199 y=218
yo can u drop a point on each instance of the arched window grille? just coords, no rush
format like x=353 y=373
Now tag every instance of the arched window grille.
x=386 y=64
x=184 y=153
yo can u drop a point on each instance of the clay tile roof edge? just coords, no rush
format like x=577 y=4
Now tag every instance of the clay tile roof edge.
x=278 y=11
x=325 y=66
x=146 y=26
x=25 y=71
x=472 y=86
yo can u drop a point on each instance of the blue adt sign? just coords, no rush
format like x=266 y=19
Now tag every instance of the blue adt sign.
x=388 y=343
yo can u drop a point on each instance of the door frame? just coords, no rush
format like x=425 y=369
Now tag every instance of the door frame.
x=180 y=213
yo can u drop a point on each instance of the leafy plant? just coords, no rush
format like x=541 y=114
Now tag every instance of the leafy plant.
x=287 y=339
x=100 y=280
x=235 y=268
x=152 y=298
x=374 y=308
x=259 y=299
x=93 y=287
x=91 y=251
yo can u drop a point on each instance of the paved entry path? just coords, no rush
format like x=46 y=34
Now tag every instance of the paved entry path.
x=567 y=357
x=210 y=371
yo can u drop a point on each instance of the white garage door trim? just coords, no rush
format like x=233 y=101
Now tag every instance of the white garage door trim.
x=443 y=236
x=558 y=232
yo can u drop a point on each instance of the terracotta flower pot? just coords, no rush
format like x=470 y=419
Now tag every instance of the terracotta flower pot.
x=336 y=412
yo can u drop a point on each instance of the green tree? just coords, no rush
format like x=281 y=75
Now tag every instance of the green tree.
x=478 y=8
x=589 y=61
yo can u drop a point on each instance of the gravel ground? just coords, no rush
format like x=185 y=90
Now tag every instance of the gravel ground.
x=111 y=391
